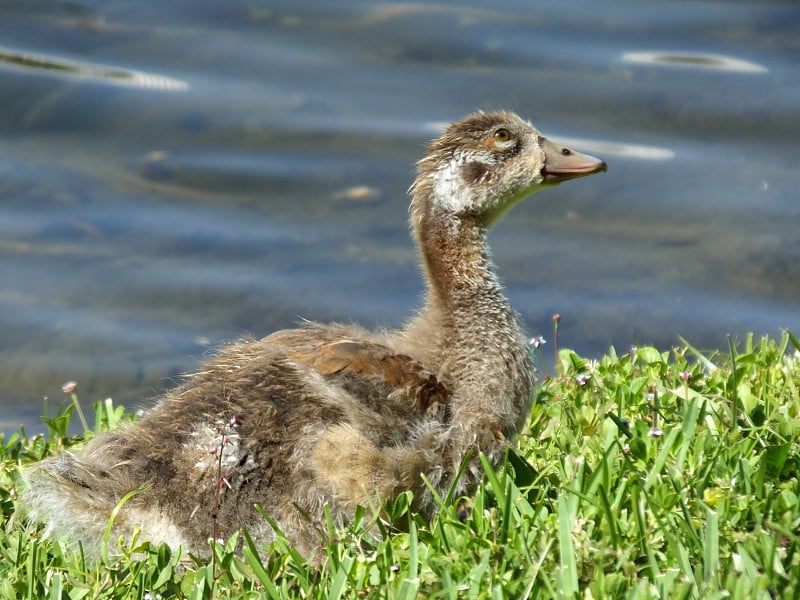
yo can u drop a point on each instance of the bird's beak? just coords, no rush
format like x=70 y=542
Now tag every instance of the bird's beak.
x=561 y=163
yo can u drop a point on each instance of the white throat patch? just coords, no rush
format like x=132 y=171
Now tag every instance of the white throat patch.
x=450 y=190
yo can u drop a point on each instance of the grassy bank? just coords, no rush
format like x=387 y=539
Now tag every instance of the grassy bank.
x=653 y=474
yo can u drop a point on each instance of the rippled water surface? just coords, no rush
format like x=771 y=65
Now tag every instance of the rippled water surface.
x=175 y=175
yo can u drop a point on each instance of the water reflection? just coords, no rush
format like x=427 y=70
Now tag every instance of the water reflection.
x=718 y=62
x=114 y=75
x=139 y=228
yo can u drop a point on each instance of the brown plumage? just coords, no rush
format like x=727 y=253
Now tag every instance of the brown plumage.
x=335 y=414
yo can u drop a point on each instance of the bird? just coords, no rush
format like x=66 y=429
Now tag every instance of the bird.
x=307 y=424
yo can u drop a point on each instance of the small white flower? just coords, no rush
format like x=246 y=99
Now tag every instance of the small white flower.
x=537 y=341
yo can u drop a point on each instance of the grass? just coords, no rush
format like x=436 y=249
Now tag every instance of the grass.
x=652 y=474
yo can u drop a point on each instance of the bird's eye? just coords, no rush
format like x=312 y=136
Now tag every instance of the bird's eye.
x=502 y=135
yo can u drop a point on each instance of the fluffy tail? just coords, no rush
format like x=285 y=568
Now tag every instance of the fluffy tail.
x=60 y=493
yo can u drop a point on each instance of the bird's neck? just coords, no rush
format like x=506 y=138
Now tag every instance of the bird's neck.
x=479 y=340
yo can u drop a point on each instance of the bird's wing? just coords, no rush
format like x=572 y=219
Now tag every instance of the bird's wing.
x=365 y=368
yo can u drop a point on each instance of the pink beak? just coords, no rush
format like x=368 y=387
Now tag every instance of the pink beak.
x=561 y=163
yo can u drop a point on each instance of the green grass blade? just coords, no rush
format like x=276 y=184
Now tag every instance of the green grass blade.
x=711 y=547
x=110 y=523
x=567 y=574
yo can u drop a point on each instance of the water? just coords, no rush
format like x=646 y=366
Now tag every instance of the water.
x=180 y=175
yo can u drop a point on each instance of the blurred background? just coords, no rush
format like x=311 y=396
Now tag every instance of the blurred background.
x=179 y=174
